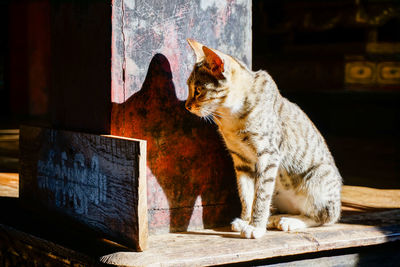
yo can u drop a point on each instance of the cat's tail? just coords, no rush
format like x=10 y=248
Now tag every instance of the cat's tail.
x=324 y=196
x=328 y=213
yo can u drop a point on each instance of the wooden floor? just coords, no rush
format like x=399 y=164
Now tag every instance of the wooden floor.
x=370 y=217
x=9 y=152
x=9 y=184
x=221 y=246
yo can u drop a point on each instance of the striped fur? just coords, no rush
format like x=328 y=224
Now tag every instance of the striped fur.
x=280 y=158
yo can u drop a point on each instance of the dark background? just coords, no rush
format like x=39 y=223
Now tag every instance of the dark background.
x=304 y=45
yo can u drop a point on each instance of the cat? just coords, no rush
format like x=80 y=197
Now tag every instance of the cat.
x=281 y=160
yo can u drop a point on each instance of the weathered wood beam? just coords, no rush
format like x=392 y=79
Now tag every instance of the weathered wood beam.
x=100 y=181
x=222 y=246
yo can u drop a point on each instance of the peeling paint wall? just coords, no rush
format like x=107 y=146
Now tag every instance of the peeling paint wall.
x=143 y=28
x=191 y=182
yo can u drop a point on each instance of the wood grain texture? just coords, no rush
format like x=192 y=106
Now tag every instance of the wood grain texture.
x=364 y=199
x=97 y=180
x=9 y=184
x=20 y=249
x=191 y=181
x=221 y=246
x=9 y=139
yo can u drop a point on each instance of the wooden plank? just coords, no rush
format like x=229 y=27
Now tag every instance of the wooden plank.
x=383 y=48
x=100 y=181
x=9 y=184
x=9 y=142
x=9 y=131
x=221 y=246
x=364 y=199
x=21 y=249
x=9 y=164
x=378 y=255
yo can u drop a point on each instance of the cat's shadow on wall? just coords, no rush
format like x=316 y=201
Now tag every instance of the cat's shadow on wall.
x=190 y=176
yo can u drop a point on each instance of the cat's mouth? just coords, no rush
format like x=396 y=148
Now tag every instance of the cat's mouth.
x=199 y=112
x=202 y=111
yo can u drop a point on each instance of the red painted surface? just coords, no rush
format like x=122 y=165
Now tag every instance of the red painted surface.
x=191 y=182
x=186 y=158
x=29 y=42
x=190 y=177
x=39 y=56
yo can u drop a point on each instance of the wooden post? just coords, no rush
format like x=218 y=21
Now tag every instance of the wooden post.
x=191 y=182
x=140 y=93
x=80 y=93
x=99 y=181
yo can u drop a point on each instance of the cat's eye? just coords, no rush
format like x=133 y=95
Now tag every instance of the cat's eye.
x=197 y=91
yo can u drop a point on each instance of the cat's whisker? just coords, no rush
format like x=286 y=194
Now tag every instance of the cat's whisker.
x=217 y=115
x=219 y=112
x=208 y=119
x=211 y=116
x=222 y=114
x=208 y=112
x=216 y=119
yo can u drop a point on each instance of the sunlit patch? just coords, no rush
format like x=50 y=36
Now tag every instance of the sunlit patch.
x=196 y=219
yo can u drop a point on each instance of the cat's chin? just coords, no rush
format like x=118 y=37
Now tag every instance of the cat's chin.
x=203 y=115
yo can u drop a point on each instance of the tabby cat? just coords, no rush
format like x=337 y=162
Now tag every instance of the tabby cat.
x=281 y=160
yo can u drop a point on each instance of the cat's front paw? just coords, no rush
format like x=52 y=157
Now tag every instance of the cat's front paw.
x=288 y=224
x=253 y=232
x=238 y=225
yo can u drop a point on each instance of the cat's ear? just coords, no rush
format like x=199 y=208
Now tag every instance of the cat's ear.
x=197 y=49
x=214 y=63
